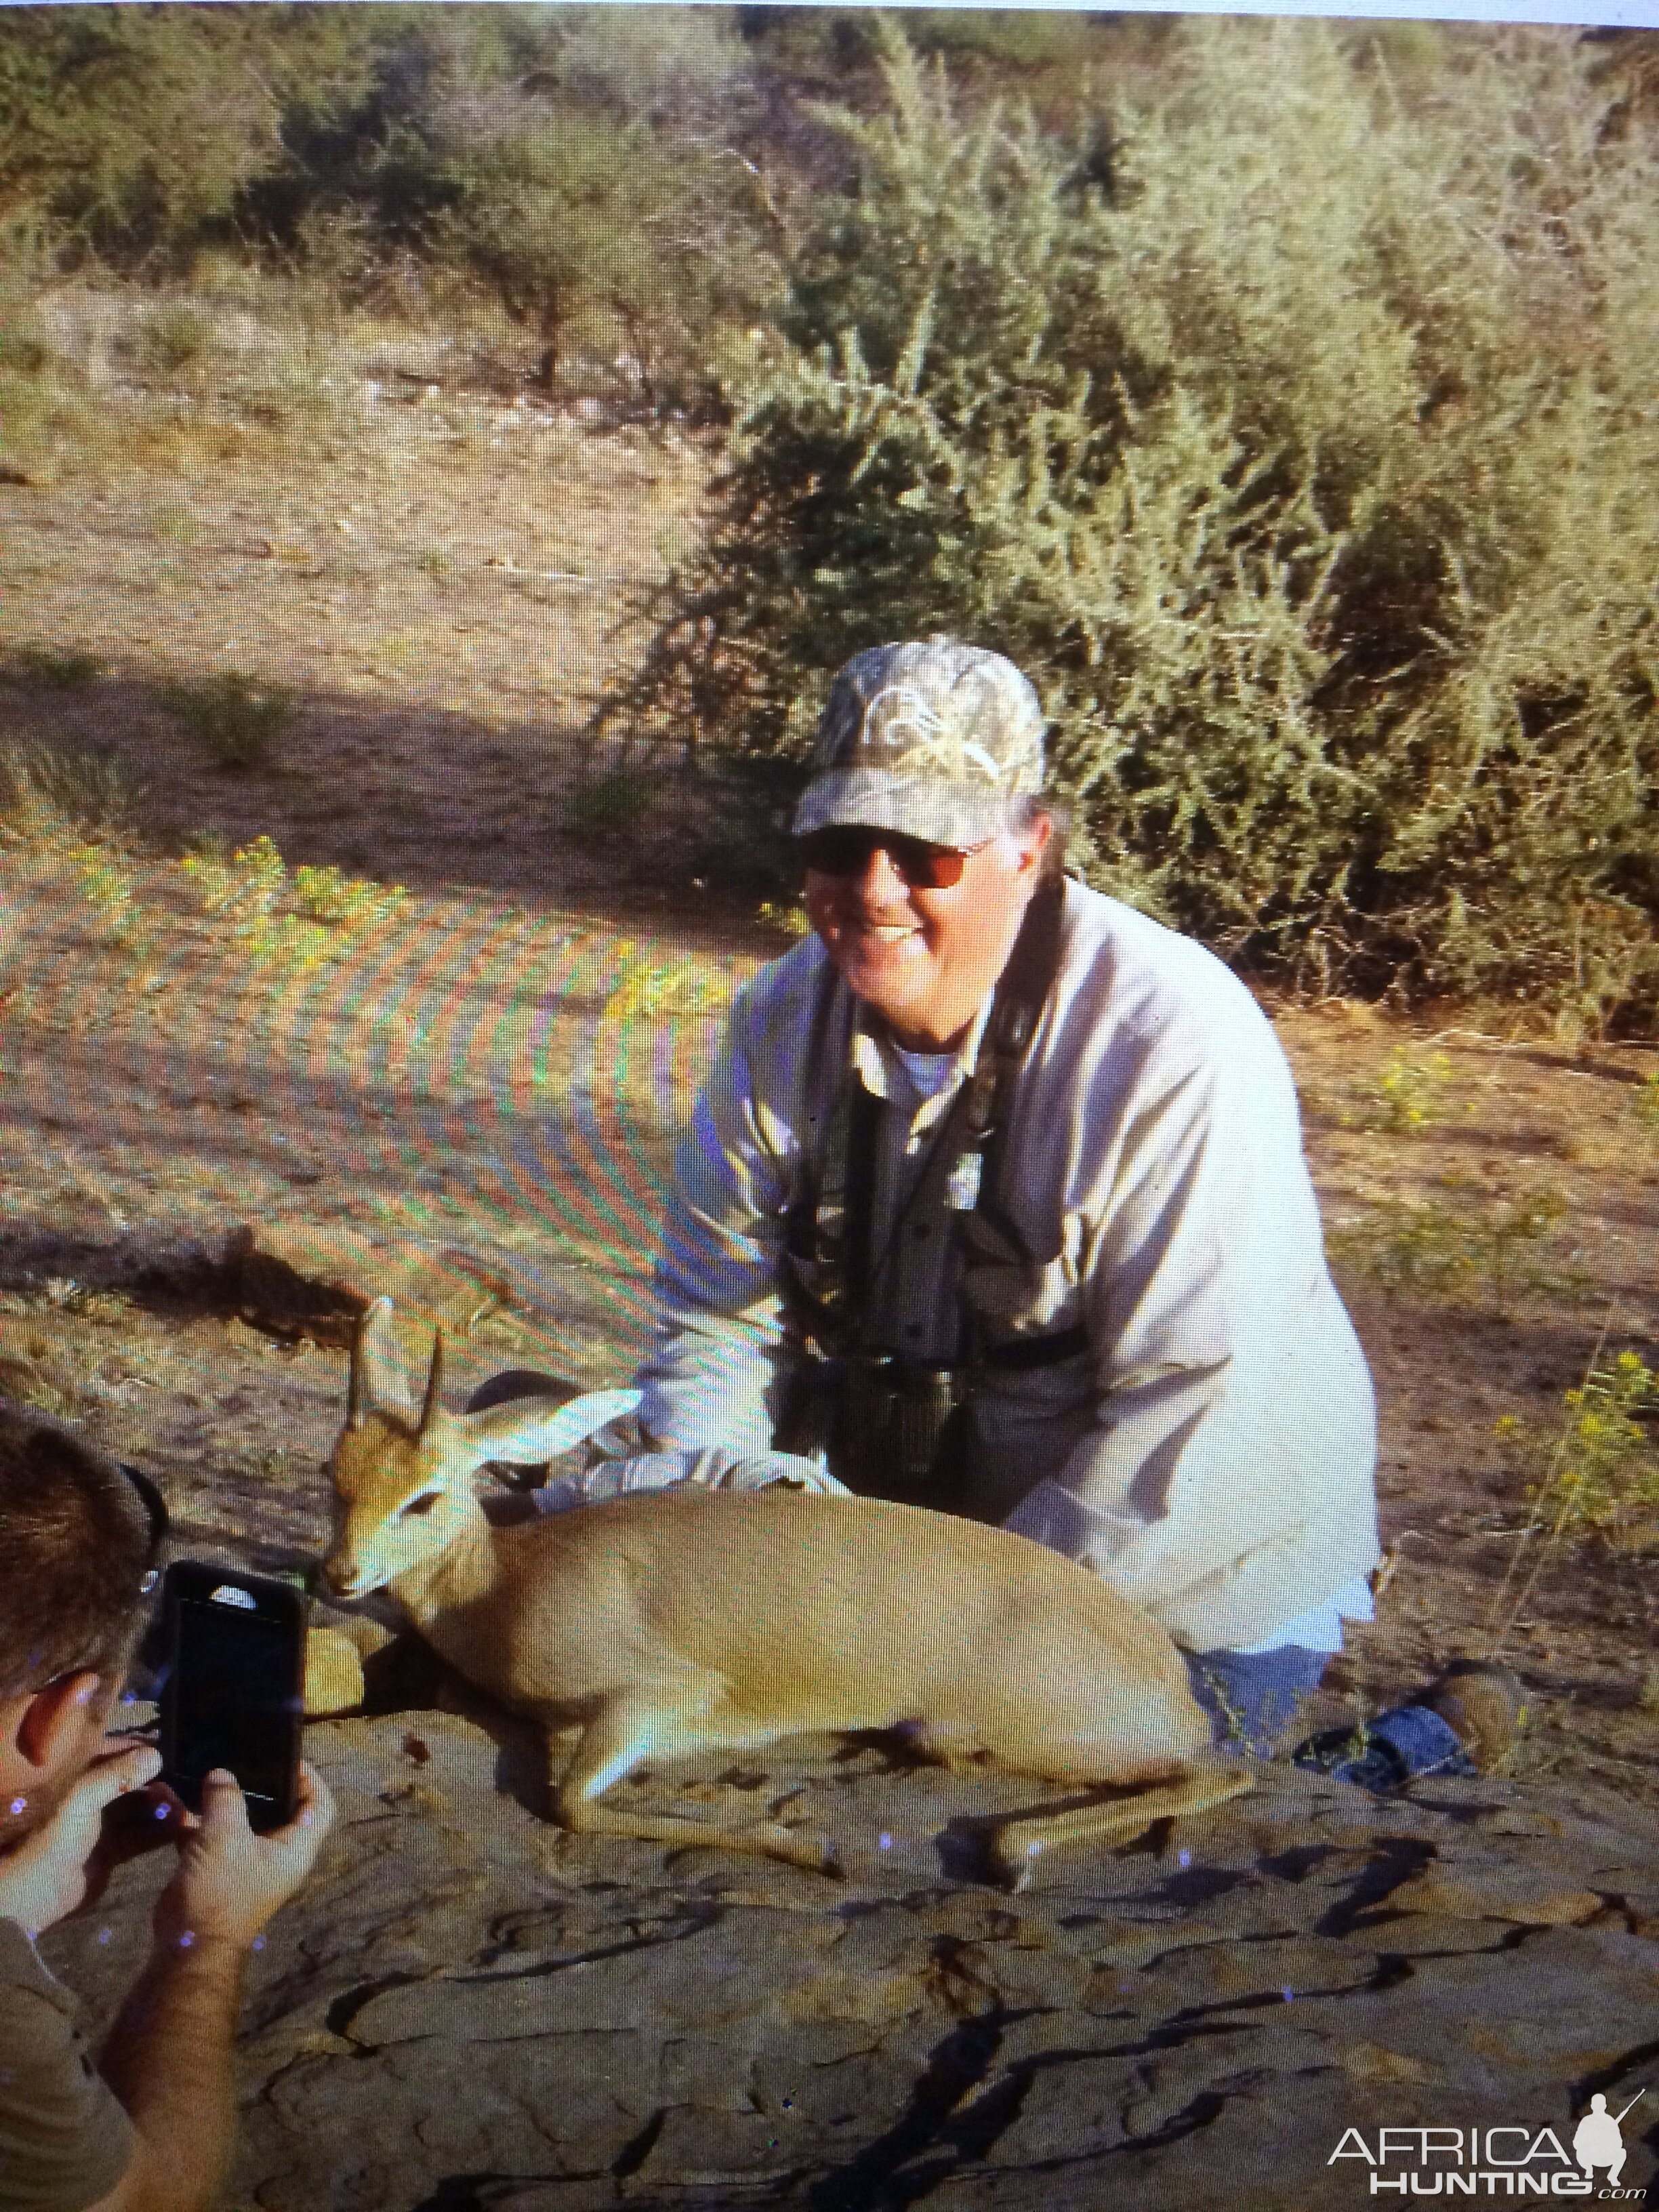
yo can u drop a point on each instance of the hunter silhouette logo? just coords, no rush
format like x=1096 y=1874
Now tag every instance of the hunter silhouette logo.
x=1509 y=2162
x=1597 y=2140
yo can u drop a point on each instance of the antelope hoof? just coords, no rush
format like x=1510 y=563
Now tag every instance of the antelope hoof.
x=818 y=1858
x=1014 y=1862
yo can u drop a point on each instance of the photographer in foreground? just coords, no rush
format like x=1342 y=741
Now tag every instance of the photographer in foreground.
x=148 y=2129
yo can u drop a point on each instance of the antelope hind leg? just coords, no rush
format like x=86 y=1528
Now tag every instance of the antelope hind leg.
x=1019 y=1844
x=616 y=1741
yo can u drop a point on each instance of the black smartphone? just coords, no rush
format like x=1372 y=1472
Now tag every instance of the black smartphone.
x=234 y=1691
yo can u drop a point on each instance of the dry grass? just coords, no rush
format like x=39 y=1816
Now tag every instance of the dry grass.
x=54 y=796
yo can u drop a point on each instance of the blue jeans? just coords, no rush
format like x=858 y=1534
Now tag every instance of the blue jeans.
x=1250 y=1697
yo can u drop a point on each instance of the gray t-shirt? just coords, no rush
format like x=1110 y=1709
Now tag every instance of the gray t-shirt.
x=64 y=2139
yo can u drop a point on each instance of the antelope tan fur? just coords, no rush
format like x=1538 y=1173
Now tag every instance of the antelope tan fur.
x=672 y=1622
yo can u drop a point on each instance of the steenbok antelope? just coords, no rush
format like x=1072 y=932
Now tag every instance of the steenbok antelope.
x=671 y=1622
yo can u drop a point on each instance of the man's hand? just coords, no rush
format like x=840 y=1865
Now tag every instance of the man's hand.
x=230 y=1880
x=764 y=1469
x=168 y=2057
x=711 y=1468
x=133 y=1825
x=62 y=1865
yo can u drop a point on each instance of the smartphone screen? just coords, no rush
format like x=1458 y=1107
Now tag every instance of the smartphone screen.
x=234 y=1700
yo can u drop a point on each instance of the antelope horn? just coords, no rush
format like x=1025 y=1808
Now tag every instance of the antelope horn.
x=355 y=1381
x=434 y=1384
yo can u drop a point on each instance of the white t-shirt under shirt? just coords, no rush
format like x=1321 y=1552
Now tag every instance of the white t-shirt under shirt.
x=928 y=1072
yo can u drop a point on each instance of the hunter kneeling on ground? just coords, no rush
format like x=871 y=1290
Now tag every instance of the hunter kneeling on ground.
x=148 y=2129
x=995 y=1203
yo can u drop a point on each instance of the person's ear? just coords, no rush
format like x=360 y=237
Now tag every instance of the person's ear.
x=1034 y=844
x=56 y=1720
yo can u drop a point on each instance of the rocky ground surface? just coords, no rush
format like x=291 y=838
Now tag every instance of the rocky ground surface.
x=467 y=2007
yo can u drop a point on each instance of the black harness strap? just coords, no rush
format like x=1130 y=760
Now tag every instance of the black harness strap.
x=1021 y=1353
x=1022 y=992
x=864 y=1124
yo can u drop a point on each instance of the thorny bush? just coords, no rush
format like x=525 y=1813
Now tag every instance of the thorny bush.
x=1293 y=426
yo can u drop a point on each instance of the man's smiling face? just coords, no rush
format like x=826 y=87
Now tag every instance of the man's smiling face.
x=927 y=960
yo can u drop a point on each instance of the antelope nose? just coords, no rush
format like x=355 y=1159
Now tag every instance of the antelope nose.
x=341 y=1577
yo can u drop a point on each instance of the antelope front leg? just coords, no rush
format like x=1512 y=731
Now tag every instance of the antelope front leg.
x=633 y=1728
x=334 y=1674
x=1020 y=1843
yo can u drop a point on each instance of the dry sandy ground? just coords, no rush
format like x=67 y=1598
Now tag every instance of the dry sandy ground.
x=493 y=1072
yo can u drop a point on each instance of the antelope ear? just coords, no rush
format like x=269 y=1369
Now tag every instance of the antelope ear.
x=528 y=1431
x=378 y=1363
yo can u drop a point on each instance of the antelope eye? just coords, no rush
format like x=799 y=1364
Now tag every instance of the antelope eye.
x=424 y=1503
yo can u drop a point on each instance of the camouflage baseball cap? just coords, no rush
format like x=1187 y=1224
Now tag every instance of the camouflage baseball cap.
x=931 y=738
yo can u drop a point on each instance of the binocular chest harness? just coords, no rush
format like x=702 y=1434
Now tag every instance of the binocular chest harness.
x=893 y=1423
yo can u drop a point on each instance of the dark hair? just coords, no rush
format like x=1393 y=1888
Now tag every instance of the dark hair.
x=75 y=1543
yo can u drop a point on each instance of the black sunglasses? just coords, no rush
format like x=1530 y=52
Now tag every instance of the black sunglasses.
x=921 y=867
x=156 y=1512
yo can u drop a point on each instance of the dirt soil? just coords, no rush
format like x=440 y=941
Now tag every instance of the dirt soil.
x=488 y=1078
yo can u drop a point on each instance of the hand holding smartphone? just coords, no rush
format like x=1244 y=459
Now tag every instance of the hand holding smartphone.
x=230 y=1880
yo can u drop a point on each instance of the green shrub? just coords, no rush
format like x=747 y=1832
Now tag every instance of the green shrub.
x=1600 y=1472
x=1407 y=1092
x=239 y=717
x=248 y=884
x=173 y=338
x=45 y=404
x=130 y=137
x=288 y=941
x=781 y=915
x=1004 y=39
x=109 y=883
x=294 y=921
x=24 y=352
x=348 y=901
x=53 y=668
x=599 y=241
x=1434 y=1252
x=294 y=400
x=1609 y=1479
x=579 y=169
x=677 y=987
x=1291 y=426
x=607 y=805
